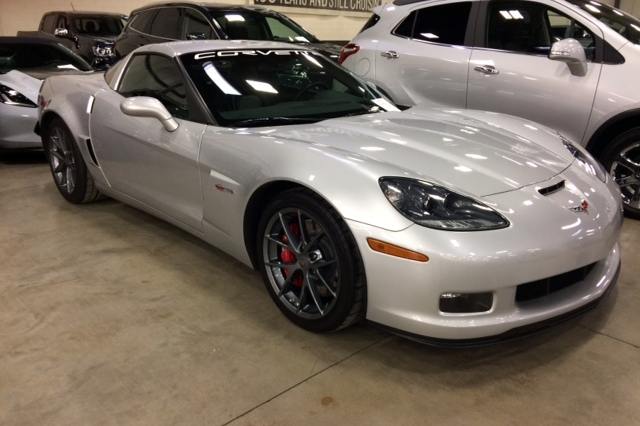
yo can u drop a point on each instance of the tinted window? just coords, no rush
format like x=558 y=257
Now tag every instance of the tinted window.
x=239 y=25
x=142 y=20
x=621 y=22
x=109 y=26
x=532 y=28
x=165 y=23
x=196 y=26
x=158 y=77
x=446 y=24
x=49 y=24
x=50 y=56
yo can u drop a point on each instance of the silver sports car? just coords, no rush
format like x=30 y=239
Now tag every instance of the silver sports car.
x=24 y=63
x=447 y=226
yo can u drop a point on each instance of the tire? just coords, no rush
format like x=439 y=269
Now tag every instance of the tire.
x=310 y=263
x=621 y=159
x=69 y=171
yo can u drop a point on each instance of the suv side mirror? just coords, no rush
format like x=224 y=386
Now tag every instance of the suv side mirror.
x=570 y=51
x=144 y=106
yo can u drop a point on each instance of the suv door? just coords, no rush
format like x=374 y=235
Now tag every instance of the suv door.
x=510 y=71
x=424 y=61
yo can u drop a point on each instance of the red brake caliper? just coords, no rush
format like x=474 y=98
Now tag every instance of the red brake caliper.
x=288 y=257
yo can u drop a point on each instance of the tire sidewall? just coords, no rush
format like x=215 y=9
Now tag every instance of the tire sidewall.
x=346 y=259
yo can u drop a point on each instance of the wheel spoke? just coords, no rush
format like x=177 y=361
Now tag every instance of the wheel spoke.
x=326 y=284
x=71 y=181
x=291 y=237
x=627 y=163
x=278 y=242
x=303 y=236
x=60 y=167
x=58 y=154
x=315 y=296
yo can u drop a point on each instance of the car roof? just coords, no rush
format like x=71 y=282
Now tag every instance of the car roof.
x=84 y=12
x=205 y=5
x=177 y=48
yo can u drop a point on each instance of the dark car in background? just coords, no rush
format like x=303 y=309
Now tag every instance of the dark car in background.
x=89 y=34
x=163 y=22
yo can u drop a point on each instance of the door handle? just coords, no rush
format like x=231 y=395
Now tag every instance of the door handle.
x=487 y=69
x=389 y=55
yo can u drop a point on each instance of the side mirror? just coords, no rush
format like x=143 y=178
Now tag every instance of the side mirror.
x=144 y=106
x=570 y=51
x=61 y=32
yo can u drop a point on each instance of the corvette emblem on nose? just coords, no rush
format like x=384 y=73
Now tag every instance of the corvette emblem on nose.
x=583 y=207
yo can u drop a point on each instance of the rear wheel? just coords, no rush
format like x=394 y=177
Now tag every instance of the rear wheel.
x=310 y=263
x=622 y=160
x=68 y=168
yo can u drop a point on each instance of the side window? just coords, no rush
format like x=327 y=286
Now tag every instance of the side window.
x=157 y=77
x=165 y=23
x=531 y=28
x=62 y=23
x=140 y=22
x=279 y=31
x=445 y=24
x=196 y=26
x=49 y=24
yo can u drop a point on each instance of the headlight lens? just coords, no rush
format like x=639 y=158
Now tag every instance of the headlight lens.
x=12 y=97
x=588 y=163
x=103 y=51
x=437 y=207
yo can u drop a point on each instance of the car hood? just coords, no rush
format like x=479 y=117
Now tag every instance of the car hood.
x=23 y=83
x=477 y=152
x=101 y=39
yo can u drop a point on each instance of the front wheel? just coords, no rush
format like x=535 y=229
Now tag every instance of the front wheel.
x=310 y=263
x=622 y=160
x=68 y=168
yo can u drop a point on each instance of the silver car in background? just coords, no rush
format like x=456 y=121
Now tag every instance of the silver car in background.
x=448 y=226
x=24 y=63
x=570 y=65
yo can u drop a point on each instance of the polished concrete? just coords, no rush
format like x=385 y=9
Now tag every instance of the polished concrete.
x=109 y=316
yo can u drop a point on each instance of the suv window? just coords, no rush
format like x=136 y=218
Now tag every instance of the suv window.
x=158 y=77
x=49 y=24
x=532 y=28
x=165 y=22
x=140 y=22
x=196 y=26
x=446 y=24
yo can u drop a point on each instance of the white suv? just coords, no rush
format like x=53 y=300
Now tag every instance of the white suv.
x=571 y=65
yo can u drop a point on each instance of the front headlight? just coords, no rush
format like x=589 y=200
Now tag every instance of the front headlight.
x=588 y=163
x=437 y=207
x=12 y=97
x=103 y=51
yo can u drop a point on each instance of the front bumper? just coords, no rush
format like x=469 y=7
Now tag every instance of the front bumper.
x=546 y=240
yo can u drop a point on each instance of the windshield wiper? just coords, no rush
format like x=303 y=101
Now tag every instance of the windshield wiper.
x=264 y=121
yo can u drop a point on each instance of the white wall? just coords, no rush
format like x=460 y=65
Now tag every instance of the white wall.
x=16 y=15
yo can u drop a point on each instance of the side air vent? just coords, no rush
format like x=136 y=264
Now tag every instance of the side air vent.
x=91 y=153
x=551 y=189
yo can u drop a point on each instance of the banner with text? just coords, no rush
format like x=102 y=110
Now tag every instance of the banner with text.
x=347 y=5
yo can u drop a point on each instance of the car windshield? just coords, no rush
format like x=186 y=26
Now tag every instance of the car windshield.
x=98 y=25
x=247 y=25
x=33 y=56
x=247 y=88
x=624 y=24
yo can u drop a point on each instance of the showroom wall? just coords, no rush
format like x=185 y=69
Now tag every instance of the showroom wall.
x=325 y=24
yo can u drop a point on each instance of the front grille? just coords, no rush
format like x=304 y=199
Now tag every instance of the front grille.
x=546 y=286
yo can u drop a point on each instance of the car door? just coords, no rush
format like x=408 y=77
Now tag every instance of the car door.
x=138 y=156
x=424 y=59
x=510 y=71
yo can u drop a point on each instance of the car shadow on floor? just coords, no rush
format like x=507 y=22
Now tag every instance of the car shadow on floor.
x=31 y=156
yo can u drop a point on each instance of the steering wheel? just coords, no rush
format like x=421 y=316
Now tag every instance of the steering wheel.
x=318 y=84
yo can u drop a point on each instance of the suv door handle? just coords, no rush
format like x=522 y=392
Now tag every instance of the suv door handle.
x=487 y=69
x=389 y=55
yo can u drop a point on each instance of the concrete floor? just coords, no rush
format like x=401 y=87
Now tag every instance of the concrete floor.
x=109 y=316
